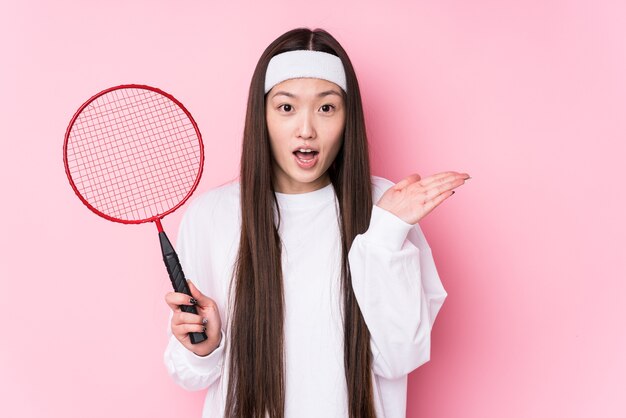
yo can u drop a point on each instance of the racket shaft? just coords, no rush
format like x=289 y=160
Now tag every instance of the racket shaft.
x=179 y=282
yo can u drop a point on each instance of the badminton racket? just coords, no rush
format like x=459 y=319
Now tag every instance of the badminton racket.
x=134 y=154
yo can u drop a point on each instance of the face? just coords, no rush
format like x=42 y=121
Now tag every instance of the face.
x=309 y=114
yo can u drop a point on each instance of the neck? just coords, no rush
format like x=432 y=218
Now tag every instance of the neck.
x=293 y=187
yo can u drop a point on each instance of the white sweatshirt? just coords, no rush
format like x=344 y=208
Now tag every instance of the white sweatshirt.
x=394 y=279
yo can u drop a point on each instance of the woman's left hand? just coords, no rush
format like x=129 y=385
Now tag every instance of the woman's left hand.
x=413 y=198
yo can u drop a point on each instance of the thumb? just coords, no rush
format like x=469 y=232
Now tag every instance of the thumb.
x=197 y=295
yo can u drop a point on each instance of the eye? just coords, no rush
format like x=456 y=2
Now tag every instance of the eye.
x=286 y=107
x=327 y=108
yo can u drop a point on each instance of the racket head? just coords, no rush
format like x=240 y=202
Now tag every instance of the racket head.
x=152 y=165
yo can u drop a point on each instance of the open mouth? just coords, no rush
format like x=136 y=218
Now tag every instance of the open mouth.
x=306 y=159
x=305 y=156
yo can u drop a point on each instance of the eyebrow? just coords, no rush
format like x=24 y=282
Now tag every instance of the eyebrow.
x=322 y=94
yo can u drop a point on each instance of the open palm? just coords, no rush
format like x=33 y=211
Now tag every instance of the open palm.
x=412 y=198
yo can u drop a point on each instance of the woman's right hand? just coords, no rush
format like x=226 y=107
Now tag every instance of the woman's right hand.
x=183 y=322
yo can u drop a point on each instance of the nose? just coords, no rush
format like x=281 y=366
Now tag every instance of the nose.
x=306 y=128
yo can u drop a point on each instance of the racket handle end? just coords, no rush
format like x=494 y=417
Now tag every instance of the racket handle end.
x=197 y=337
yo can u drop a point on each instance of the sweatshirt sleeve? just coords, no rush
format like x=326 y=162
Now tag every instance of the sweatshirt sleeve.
x=188 y=370
x=398 y=290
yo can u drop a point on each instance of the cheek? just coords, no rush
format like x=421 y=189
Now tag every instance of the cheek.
x=333 y=148
x=337 y=136
x=338 y=131
x=278 y=132
x=336 y=147
x=275 y=138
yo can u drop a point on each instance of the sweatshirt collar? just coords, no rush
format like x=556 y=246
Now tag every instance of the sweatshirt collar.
x=302 y=200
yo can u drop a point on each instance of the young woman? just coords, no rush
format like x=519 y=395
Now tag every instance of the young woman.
x=312 y=278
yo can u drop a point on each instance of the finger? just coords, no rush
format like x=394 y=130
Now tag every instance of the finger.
x=182 y=330
x=407 y=180
x=201 y=300
x=432 y=204
x=442 y=185
x=175 y=299
x=438 y=177
x=188 y=318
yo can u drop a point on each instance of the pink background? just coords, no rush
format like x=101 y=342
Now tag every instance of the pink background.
x=528 y=97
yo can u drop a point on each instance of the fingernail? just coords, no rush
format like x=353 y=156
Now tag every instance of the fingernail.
x=204 y=321
x=468 y=178
x=192 y=301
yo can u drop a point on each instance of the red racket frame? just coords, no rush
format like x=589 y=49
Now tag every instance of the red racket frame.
x=156 y=218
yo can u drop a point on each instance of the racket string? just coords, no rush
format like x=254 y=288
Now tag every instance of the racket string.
x=133 y=154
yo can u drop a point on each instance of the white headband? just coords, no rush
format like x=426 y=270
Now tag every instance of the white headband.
x=304 y=63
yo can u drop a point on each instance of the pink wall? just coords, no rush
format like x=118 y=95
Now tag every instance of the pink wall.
x=529 y=97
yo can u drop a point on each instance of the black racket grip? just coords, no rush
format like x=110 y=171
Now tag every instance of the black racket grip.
x=178 y=281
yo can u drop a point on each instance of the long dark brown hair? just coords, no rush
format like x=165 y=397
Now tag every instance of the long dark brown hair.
x=256 y=385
